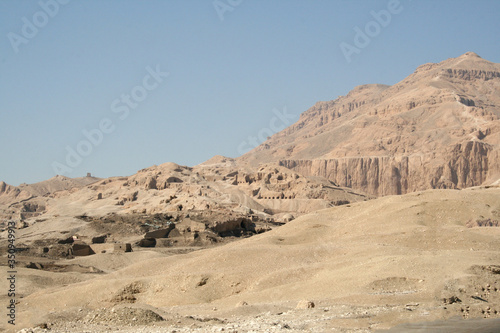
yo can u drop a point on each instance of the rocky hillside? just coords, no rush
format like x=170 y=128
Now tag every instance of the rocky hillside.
x=218 y=185
x=29 y=200
x=438 y=128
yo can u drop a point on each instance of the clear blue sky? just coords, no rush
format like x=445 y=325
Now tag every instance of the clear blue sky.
x=225 y=76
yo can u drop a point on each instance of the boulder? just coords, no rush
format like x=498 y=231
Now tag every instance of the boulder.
x=304 y=304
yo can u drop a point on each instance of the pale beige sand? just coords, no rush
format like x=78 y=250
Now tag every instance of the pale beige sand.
x=367 y=266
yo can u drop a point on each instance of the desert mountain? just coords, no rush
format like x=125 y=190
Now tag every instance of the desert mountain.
x=438 y=128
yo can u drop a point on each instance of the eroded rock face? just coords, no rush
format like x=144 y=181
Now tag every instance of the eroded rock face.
x=468 y=164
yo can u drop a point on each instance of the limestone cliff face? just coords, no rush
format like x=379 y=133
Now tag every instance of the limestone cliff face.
x=469 y=75
x=469 y=164
x=437 y=128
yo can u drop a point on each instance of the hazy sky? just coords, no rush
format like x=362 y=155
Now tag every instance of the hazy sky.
x=111 y=87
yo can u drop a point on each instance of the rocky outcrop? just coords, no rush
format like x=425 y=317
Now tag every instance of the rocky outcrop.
x=468 y=164
x=9 y=193
x=468 y=75
x=374 y=175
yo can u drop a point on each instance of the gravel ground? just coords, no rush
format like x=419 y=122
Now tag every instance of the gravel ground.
x=139 y=320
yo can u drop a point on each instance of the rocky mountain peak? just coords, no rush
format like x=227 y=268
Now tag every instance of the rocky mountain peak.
x=406 y=137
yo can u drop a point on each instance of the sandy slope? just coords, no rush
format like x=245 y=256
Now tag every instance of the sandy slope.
x=395 y=258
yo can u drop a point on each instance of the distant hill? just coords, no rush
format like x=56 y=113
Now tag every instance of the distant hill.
x=26 y=200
